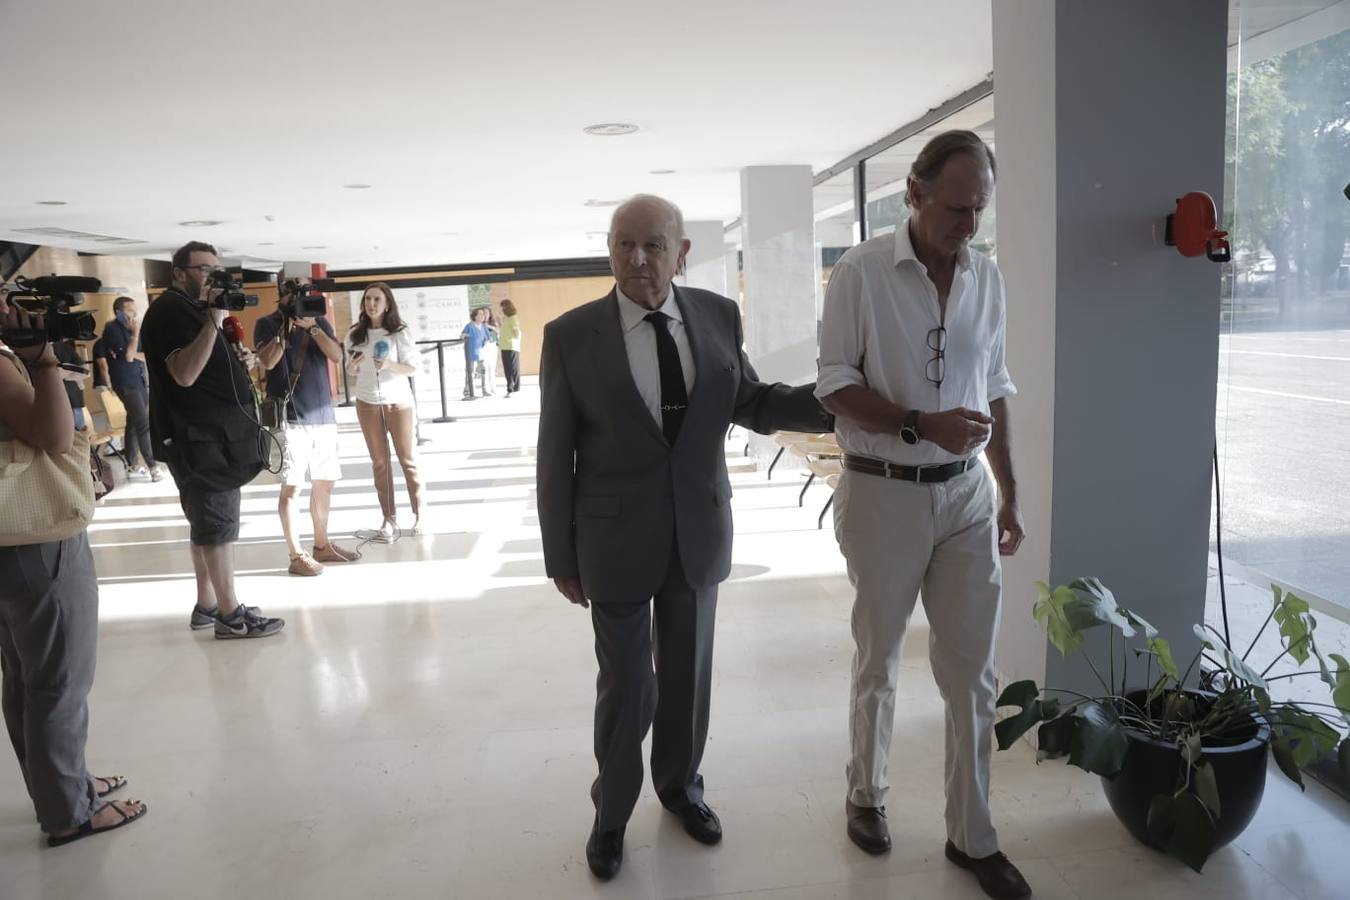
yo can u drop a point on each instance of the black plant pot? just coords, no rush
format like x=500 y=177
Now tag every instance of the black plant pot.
x=1153 y=767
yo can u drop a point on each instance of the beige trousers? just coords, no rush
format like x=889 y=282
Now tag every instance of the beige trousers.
x=900 y=539
x=396 y=421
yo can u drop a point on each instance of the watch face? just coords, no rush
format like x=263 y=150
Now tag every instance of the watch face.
x=909 y=434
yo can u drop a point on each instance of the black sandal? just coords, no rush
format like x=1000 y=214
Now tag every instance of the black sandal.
x=87 y=829
x=114 y=782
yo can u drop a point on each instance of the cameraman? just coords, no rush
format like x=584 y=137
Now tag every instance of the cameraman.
x=49 y=600
x=203 y=424
x=296 y=351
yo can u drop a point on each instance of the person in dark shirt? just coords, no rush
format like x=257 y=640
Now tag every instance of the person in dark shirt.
x=296 y=352
x=120 y=348
x=203 y=424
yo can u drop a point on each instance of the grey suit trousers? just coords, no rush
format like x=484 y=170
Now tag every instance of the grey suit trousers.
x=48 y=640
x=655 y=657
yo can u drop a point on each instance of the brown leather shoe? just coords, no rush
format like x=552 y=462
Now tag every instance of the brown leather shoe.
x=998 y=877
x=867 y=827
x=335 y=553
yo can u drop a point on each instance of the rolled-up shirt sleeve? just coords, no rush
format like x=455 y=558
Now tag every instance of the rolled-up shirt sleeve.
x=1000 y=383
x=842 y=340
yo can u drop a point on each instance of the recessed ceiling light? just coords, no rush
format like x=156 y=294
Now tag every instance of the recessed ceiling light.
x=264 y=243
x=51 y=203
x=356 y=187
x=199 y=223
x=663 y=171
x=315 y=247
x=610 y=129
x=594 y=203
x=450 y=233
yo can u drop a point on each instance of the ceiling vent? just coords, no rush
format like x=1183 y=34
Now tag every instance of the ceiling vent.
x=86 y=237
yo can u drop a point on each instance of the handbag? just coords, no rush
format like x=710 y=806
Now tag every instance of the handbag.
x=43 y=496
x=272 y=411
x=101 y=474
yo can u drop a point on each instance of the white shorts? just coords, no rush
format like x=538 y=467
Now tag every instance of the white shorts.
x=312 y=449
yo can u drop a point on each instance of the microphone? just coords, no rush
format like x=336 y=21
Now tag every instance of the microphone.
x=381 y=350
x=64 y=284
x=233 y=330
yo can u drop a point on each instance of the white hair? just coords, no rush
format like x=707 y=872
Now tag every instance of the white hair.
x=649 y=200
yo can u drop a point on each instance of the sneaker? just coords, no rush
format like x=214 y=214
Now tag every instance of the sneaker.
x=247 y=622
x=335 y=553
x=156 y=474
x=203 y=618
x=386 y=533
x=139 y=473
x=304 y=564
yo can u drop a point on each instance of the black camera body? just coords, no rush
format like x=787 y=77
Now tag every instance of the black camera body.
x=231 y=296
x=303 y=301
x=52 y=297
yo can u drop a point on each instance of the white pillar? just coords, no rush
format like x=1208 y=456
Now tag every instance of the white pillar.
x=1112 y=336
x=778 y=240
x=705 y=266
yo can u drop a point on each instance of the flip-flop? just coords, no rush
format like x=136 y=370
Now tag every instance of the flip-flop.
x=114 y=782
x=87 y=829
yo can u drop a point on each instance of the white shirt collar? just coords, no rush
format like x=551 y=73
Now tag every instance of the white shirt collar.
x=904 y=249
x=631 y=315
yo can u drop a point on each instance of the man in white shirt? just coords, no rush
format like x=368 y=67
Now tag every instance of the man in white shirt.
x=912 y=365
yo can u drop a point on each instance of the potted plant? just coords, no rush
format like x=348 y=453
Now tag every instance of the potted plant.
x=1183 y=767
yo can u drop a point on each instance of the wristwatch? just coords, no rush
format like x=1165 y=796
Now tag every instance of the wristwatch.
x=312 y=329
x=909 y=431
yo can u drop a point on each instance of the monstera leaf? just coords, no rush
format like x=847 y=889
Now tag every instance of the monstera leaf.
x=1099 y=744
x=1026 y=696
x=1232 y=663
x=1291 y=614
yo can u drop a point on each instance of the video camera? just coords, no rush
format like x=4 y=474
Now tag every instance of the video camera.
x=52 y=297
x=232 y=296
x=304 y=301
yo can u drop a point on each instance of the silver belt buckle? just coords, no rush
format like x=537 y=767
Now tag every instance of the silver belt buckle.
x=918 y=474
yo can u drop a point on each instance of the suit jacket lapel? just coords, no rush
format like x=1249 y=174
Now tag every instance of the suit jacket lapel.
x=700 y=343
x=619 y=375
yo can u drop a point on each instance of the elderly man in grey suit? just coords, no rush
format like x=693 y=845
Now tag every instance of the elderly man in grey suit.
x=638 y=390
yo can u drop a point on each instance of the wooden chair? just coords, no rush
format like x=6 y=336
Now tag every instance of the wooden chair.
x=116 y=415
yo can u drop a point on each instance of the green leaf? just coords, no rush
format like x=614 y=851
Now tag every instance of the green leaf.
x=1101 y=604
x=1207 y=788
x=1284 y=758
x=1291 y=614
x=1262 y=700
x=1163 y=651
x=1233 y=663
x=1340 y=690
x=1162 y=818
x=1156 y=691
x=1204 y=636
x=1057 y=612
x=1055 y=737
x=1180 y=707
x=1099 y=744
x=1139 y=622
x=1343 y=756
x=1310 y=739
x=1190 y=748
x=1023 y=694
x=1192 y=839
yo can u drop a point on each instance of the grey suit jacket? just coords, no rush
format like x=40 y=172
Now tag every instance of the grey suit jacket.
x=614 y=495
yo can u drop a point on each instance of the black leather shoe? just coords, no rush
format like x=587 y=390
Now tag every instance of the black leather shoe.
x=998 y=877
x=604 y=852
x=867 y=827
x=700 y=823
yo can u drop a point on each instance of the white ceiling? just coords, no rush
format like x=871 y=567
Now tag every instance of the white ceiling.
x=465 y=117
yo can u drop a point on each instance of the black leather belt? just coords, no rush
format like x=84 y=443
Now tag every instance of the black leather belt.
x=916 y=474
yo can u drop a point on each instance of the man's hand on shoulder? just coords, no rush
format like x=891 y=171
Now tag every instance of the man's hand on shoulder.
x=571 y=589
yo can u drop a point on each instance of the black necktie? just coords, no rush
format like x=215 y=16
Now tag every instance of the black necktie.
x=674 y=396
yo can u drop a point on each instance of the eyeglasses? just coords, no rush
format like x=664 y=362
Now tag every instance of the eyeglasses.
x=936 y=370
x=205 y=270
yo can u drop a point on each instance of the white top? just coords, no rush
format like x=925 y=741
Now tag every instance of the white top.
x=880 y=306
x=390 y=388
x=639 y=339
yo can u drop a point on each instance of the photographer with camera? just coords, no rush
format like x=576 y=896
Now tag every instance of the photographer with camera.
x=48 y=588
x=204 y=425
x=122 y=354
x=295 y=345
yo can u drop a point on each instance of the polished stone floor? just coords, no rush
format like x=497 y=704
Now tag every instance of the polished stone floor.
x=423 y=727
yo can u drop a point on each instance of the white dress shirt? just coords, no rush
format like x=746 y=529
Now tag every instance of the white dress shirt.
x=639 y=339
x=880 y=306
x=384 y=387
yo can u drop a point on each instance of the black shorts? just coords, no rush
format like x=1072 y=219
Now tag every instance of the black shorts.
x=213 y=516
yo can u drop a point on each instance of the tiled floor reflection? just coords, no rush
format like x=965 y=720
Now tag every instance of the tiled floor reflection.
x=422 y=729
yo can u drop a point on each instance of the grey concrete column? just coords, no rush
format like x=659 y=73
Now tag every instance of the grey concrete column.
x=705 y=266
x=1106 y=113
